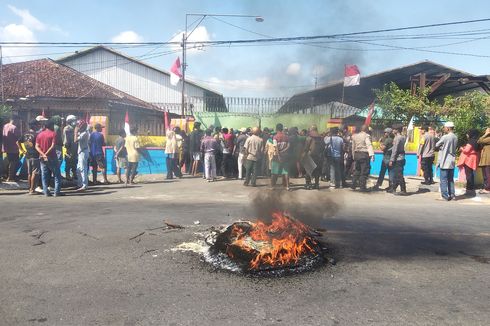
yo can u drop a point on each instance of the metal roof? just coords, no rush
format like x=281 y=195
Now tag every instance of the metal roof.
x=45 y=78
x=363 y=94
x=104 y=48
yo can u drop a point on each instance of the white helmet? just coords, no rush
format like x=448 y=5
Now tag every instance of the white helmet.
x=71 y=117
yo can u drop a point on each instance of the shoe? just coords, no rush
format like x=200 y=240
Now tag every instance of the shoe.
x=59 y=194
x=484 y=192
x=425 y=183
x=364 y=190
x=245 y=184
x=401 y=193
x=48 y=194
x=375 y=188
x=83 y=188
x=389 y=190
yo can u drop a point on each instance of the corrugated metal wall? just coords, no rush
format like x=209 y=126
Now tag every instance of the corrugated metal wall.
x=135 y=79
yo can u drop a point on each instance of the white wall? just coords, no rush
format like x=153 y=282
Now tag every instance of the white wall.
x=133 y=78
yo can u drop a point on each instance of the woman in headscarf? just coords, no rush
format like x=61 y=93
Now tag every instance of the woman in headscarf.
x=484 y=142
x=468 y=161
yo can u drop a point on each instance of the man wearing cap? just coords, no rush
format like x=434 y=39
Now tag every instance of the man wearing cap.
x=81 y=140
x=447 y=147
x=239 y=151
x=11 y=146
x=362 y=151
x=70 y=147
x=426 y=154
x=45 y=145
x=386 y=145
x=97 y=157
x=397 y=162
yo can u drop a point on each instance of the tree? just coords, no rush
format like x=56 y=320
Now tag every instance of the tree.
x=468 y=111
x=399 y=104
x=5 y=113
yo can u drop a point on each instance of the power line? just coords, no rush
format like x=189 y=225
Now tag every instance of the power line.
x=277 y=39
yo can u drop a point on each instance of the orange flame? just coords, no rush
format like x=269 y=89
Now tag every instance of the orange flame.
x=280 y=243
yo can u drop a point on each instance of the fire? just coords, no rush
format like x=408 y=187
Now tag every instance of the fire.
x=281 y=243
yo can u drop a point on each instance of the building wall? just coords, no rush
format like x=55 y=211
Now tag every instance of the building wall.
x=133 y=78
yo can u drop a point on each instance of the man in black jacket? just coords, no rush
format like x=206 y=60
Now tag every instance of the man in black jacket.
x=195 y=147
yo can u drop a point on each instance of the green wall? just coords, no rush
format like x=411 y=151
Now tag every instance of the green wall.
x=240 y=120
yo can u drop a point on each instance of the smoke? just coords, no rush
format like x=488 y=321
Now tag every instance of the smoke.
x=310 y=207
x=323 y=63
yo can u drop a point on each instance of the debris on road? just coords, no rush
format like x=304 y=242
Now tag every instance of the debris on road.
x=137 y=236
x=173 y=226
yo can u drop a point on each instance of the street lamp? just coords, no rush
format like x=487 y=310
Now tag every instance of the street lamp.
x=186 y=35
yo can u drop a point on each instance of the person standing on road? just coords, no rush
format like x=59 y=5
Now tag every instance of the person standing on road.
x=253 y=152
x=228 y=147
x=468 y=161
x=195 y=147
x=447 y=146
x=239 y=151
x=45 y=145
x=11 y=146
x=209 y=146
x=132 y=147
x=397 y=162
x=81 y=140
x=334 y=150
x=485 y=161
x=362 y=152
x=279 y=166
x=120 y=154
x=172 y=152
x=97 y=157
x=314 y=148
x=31 y=156
x=426 y=154
x=71 y=148
x=386 y=145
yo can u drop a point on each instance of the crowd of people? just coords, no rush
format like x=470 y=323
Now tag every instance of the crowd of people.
x=339 y=157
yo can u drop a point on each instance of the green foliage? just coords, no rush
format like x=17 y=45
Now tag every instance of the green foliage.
x=399 y=104
x=469 y=111
x=5 y=113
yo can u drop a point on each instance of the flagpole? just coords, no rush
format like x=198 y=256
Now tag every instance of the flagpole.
x=343 y=90
x=184 y=64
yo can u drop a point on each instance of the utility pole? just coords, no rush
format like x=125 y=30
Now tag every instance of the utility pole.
x=184 y=64
x=1 y=76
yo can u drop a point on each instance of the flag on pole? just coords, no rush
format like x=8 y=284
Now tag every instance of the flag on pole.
x=352 y=76
x=87 y=118
x=42 y=113
x=126 y=124
x=175 y=73
x=369 y=115
x=409 y=130
x=165 y=117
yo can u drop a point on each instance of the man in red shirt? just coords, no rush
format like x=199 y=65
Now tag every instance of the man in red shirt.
x=45 y=145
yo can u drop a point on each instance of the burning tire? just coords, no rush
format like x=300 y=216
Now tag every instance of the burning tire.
x=283 y=246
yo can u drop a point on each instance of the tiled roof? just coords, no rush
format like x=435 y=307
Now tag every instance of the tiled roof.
x=46 y=78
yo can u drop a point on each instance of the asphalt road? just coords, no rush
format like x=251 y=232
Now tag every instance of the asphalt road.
x=400 y=261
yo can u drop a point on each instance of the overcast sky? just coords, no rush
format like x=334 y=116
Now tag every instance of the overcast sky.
x=259 y=71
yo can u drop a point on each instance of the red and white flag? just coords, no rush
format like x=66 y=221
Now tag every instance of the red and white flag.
x=126 y=124
x=175 y=73
x=369 y=115
x=352 y=76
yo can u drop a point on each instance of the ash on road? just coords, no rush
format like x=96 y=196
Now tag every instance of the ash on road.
x=400 y=260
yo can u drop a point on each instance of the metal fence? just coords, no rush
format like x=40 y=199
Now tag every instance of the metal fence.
x=255 y=105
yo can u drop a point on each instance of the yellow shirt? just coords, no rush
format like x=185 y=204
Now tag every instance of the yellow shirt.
x=132 y=145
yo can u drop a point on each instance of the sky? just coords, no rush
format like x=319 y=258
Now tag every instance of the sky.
x=252 y=70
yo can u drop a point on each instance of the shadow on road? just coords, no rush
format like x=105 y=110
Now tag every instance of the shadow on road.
x=355 y=240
